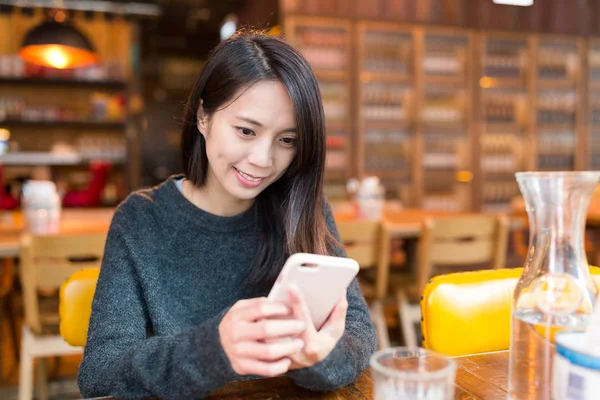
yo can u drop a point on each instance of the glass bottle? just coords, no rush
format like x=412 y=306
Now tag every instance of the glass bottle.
x=555 y=291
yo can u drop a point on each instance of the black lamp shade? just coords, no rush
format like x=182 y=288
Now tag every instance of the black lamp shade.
x=57 y=45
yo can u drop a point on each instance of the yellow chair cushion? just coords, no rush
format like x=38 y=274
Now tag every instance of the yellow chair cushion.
x=75 y=307
x=469 y=312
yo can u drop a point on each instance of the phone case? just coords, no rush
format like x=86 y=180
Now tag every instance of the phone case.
x=321 y=279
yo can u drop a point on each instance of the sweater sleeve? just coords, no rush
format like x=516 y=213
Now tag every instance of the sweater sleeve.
x=120 y=360
x=350 y=357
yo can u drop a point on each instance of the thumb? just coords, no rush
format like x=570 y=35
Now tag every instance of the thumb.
x=338 y=315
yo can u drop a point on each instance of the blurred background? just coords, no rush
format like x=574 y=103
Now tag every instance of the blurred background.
x=441 y=99
x=431 y=107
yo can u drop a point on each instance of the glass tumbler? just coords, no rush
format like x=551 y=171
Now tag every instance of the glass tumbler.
x=412 y=374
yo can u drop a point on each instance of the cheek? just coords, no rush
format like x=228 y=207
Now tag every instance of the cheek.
x=285 y=158
x=218 y=148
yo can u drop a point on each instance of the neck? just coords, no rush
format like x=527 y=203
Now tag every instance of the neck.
x=213 y=201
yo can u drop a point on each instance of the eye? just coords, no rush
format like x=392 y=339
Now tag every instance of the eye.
x=244 y=131
x=288 y=141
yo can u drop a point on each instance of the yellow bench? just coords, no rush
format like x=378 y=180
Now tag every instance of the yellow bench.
x=469 y=312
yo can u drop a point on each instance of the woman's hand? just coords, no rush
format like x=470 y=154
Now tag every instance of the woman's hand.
x=317 y=344
x=251 y=334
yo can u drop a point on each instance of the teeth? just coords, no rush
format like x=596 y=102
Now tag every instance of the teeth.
x=250 y=178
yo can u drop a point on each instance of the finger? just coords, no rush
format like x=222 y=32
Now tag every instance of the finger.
x=270 y=328
x=269 y=352
x=300 y=309
x=263 y=368
x=260 y=308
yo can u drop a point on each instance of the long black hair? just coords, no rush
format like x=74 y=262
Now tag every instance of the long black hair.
x=291 y=209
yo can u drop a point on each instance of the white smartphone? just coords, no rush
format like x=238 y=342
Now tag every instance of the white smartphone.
x=321 y=279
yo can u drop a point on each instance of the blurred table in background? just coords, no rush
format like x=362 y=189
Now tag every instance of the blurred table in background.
x=73 y=220
x=402 y=223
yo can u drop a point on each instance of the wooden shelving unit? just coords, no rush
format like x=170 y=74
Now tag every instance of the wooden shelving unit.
x=385 y=104
x=56 y=121
x=557 y=103
x=503 y=82
x=83 y=125
x=593 y=105
x=102 y=84
x=327 y=45
x=446 y=116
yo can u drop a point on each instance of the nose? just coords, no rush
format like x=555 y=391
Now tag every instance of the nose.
x=261 y=154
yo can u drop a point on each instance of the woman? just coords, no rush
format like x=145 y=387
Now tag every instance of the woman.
x=179 y=309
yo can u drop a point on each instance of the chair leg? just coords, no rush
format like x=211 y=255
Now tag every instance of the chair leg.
x=409 y=315
x=378 y=317
x=42 y=379
x=26 y=369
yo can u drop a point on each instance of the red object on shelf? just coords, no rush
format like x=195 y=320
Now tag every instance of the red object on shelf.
x=92 y=196
x=7 y=201
x=335 y=141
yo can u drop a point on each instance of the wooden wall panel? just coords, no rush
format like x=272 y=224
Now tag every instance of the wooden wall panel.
x=368 y=9
x=571 y=17
x=344 y=8
x=397 y=9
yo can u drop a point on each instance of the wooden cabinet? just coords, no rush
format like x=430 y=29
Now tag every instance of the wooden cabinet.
x=503 y=114
x=446 y=116
x=385 y=104
x=327 y=45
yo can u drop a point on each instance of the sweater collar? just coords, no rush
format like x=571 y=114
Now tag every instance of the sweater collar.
x=170 y=197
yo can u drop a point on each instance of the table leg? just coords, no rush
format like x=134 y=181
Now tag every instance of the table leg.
x=383 y=267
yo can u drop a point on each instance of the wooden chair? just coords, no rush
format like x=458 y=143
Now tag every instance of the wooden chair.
x=362 y=240
x=469 y=312
x=46 y=262
x=453 y=243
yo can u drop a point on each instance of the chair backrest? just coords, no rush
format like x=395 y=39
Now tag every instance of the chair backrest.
x=461 y=240
x=48 y=260
x=361 y=239
x=469 y=312
x=75 y=305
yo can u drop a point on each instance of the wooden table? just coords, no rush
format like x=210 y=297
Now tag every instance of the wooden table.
x=478 y=377
x=73 y=220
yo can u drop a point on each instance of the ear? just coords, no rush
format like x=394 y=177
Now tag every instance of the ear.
x=201 y=120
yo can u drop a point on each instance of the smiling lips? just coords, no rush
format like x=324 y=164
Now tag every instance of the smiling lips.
x=247 y=180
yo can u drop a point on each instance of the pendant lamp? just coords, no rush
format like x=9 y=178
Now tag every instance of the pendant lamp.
x=56 y=43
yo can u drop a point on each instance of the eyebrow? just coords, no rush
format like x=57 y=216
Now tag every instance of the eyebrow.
x=258 y=124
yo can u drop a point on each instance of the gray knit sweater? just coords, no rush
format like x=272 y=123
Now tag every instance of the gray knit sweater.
x=169 y=274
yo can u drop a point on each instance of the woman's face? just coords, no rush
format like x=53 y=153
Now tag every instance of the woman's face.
x=250 y=143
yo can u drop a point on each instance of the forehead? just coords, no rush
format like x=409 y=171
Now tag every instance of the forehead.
x=267 y=102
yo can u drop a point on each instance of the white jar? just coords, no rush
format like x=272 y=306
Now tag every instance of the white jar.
x=369 y=197
x=41 y=207
x=576 y=372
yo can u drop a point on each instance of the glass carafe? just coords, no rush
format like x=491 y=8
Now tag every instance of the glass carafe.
x=555 y=291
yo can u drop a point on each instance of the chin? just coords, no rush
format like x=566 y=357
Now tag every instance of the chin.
x=246 y=194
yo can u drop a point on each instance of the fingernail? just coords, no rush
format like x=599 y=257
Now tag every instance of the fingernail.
x=300 y=326
x=299 y=344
